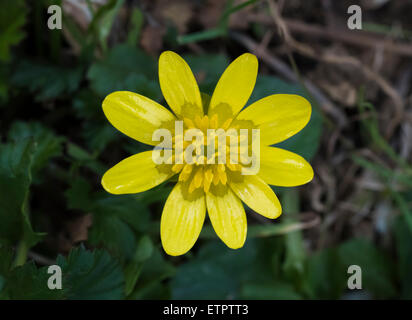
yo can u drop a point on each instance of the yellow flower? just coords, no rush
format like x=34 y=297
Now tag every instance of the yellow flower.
x=218 y=189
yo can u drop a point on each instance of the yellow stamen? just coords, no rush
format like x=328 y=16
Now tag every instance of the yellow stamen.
x=177 y=167
x=198 y=178
x=189 y=123
x=226 y=124
x=213 y=122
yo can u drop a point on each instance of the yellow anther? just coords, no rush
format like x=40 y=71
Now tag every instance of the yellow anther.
x=198 y=178
x=192 y=186
x=187 y=169
x=221 y=167
x=189 y=123
x=213 y=122
x=207 y=180
x=223 y=177
x=226 y=124
x=198 y=121
x=233 y=166
x=216 y=179
x=185 y=174
x=177 y=167
x=205 y=123
x=209 y=175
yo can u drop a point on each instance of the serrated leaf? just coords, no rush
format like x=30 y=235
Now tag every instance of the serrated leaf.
x=15 y=179
x=46 y=81
x=27 y=282
x=48 y=145
x=91 y=275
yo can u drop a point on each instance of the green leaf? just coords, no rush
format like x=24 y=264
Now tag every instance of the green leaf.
x=218 y=272
x=326 y=276
x=136 y=22
x=15 y=179
x=153 y=272
x=132 y=271
x=116 y=219
x=30 y=283
x=12 y=20
x=48 y=145
x=86 y=275
x=125 y=68
x=103 y=20
x=91 y=275
x=306 y=142
x=46 y=81
x=377 y=269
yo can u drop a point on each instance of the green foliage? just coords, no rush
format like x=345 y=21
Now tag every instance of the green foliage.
x=47 y=144
x=45 y=80
x=12 y=20
x=377 y=269
x=15 y=178
x=217 y=273
x=86 y=275
x=117 y=220
x=91 y=275
x=125 y=68
x=56 y=144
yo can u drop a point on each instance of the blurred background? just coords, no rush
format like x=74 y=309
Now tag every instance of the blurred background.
x=56 y=144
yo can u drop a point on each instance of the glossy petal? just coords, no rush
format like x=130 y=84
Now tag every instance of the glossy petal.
x=227 y=215
x=278 y=116
x=234 y=87
x=182 y=220
x=135 y=174
x=283 y=168
x=135 y=115
x=179 y=86
x=257 y=195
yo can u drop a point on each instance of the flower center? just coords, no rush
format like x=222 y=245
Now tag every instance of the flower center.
x=206 y=168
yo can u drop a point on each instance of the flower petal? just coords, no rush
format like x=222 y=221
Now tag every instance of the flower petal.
x=227 y=215
x=135 y=174
x=278 y=116
x=136 y=116
x=182 y=219
x=234 y=87
x=283 y=168
x=257 y=195
x=179 y=86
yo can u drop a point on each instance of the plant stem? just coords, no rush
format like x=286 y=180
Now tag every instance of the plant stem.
x=21 y=254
